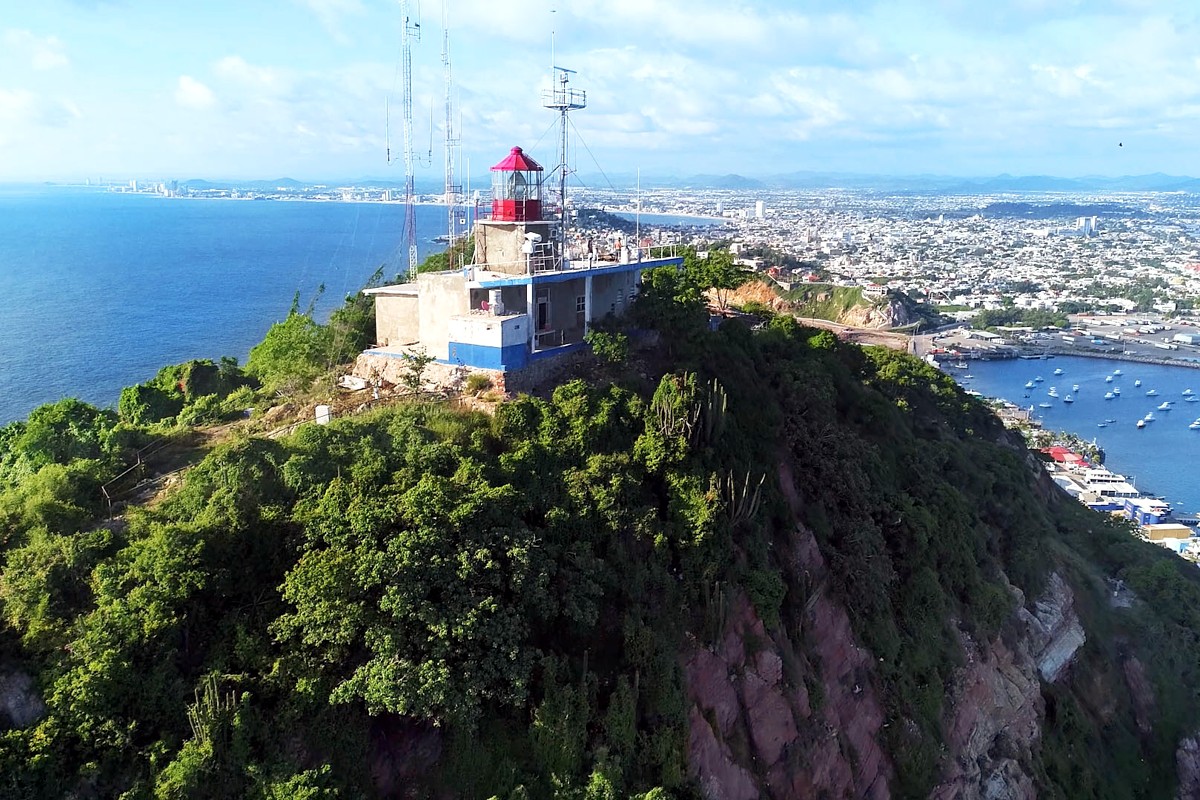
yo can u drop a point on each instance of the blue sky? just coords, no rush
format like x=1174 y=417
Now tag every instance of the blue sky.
x=269 y=88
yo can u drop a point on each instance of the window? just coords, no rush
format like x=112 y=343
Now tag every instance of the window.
x=580 y=304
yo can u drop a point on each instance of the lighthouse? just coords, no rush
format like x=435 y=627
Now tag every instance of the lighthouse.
x=517 y=189
x=515 y=239
x=521 y=299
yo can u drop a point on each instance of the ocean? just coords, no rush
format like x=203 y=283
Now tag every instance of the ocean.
x=1159 y=458
x=98 y=290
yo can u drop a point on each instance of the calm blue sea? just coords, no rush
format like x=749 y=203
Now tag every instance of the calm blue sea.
x=1161 y=457
x=99 y=290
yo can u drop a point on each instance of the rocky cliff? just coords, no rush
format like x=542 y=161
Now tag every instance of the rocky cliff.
x=794 y=712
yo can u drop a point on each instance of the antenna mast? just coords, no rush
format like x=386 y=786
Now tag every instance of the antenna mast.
x=563 y=99
x=411 y=32
x=452 y=142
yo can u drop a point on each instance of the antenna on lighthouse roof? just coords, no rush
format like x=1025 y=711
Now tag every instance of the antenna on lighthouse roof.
x=563 y=99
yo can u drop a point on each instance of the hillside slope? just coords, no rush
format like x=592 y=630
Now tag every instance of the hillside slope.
x=768 y=565
x=841 y=304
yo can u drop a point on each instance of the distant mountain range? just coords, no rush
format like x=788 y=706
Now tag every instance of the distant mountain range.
x=940 y=184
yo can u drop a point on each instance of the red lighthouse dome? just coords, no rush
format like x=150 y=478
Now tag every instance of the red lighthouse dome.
x=517 y=188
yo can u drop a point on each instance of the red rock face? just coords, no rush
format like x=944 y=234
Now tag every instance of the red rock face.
x=1187 y=760
x=1141 y=692
x=755 y=732
x=996 y=710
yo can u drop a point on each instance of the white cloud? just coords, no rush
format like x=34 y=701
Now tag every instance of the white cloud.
x=27 y=115
x=191 y=93
x=43 y=52
x=331 y=12
x=250 y=76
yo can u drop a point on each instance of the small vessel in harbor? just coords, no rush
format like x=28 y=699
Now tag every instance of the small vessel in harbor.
x=1195 y=425
x=1108 y=378
x=1044 y=405
x=1116 y=372
x=1117 y=391
x=1109 y=395
x=1138 y=382
x=1029 y=384
x=1075 y=388
x=1152 y=393
x=1053 y=391
x=1101 y=424
x=1141 y=423
x=1165 y=405
x=1058 y=371
x=1038 y=379
x=1188 y=393
x=1068 y=399
x=1191 y=398
x=1149 y=416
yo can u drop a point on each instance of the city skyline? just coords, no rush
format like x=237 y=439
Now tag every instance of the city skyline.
x=132 y=88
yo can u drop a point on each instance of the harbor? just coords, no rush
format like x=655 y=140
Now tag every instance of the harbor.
x=1145 y=418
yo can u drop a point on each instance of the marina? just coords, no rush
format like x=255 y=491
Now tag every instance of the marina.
x=1156 y=448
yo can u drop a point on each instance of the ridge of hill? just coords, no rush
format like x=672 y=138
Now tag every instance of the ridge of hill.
x=726 y=563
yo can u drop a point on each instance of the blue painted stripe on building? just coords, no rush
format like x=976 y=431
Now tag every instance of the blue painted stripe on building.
x=499 y=358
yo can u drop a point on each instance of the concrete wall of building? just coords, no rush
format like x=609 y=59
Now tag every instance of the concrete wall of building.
x=498 y=245
x=611 y=294
x=397 y=320
x=563 y=298
x=443 y=295
x=490 y=331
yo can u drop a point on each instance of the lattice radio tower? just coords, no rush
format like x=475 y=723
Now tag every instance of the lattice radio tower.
x=411 y=33
x=563 y=99
x=453 y=190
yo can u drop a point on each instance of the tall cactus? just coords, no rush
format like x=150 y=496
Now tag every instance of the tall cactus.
x=742 y=502
x=716 y=402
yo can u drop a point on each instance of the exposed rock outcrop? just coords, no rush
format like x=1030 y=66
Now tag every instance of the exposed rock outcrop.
x=1141 y=692
x=1187 y=761
x=890 y=313
x=1054 y=632
x=20 y=704
x=996 y=704
x=995 y=719
x=755 y=729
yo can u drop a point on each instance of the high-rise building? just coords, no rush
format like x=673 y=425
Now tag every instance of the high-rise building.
x=760 y=209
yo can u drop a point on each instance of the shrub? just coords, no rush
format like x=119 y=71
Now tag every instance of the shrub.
x=477 y=382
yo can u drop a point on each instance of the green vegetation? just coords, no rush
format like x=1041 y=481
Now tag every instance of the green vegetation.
x=1019 y=317
x=460 y=253
x=824 y=301
x=504 y=598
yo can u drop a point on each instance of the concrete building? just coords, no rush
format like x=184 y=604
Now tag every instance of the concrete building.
x=523 y=299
